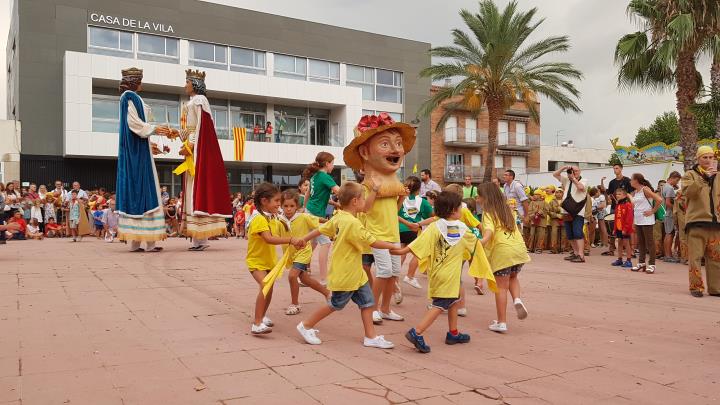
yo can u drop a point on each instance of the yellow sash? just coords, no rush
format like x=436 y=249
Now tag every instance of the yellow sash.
x=189 y=164
x=277 y=271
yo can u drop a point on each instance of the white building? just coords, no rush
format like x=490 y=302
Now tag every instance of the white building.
x=553 y=157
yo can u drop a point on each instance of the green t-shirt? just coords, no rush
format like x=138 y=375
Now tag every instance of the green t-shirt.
x=470 y=192
x=321 y=185
x=425 y=212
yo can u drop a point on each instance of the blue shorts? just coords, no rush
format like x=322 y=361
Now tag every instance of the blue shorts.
x=444 y=303
x=363 y=297
x=574 y=228
x=300 y=266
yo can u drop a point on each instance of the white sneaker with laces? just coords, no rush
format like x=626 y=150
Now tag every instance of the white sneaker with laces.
x=650 y=269
x=379 y=342
x=377 y=318
x=462 y=312
x=500 y=327
x=260 y=329
x=520 y=308
x=392 y=316
x=310 y=335
x=267 y=321
x=412 y=282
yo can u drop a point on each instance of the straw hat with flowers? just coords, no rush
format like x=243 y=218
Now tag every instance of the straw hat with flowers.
x=371 y=125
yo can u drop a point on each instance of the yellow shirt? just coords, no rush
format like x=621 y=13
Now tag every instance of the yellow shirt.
x=351 y=240
x=505 y=249
x=468 y=218
x=443 y=262
x=382 y=220
x=260 y=254
x=300 y=226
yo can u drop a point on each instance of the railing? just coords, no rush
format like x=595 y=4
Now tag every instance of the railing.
x=457 y=173
x=519 y=140
x=470 y=136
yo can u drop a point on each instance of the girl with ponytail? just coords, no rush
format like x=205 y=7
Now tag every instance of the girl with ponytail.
x=645 y=204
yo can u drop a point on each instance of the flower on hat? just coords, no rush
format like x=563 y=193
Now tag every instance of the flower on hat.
x=374 y=121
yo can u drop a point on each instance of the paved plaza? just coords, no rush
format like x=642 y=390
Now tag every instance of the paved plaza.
x=90 y=323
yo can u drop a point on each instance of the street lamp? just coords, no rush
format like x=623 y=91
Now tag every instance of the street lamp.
x=558 y=136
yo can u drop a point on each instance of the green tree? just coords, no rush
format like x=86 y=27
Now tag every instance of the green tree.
x=498 y=66
x=664 y=52
x=666 y=127
x=614 y=160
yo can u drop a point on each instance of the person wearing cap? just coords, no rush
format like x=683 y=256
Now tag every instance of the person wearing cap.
x=205 y=203
x=701 y=187
x=138 y=190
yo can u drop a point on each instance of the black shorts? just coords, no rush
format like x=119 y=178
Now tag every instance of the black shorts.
x=619 y=235
x=407 y=237
x=508 y=271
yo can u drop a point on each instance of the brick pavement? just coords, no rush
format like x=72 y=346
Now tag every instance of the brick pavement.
x=90 y=323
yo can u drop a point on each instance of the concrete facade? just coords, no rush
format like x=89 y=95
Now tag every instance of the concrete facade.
x=50 y=66
x=9 y=150
x=552 y=157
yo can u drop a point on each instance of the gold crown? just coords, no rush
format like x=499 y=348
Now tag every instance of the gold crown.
x=194 y=74
x=132 y=72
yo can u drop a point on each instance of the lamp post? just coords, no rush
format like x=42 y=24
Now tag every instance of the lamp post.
x=558 y=136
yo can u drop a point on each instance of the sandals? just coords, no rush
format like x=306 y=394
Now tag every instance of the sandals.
x=292 y=310
x=608 y=253
x=577 y=259
x=479 y=290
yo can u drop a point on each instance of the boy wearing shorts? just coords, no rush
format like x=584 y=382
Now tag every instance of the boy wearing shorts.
x=346 y=278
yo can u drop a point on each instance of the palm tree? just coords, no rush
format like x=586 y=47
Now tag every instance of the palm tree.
x=664 y=54
x=497 y=67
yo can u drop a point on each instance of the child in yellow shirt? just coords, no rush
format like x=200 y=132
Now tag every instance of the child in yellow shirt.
x=506 y=251
x=346 y=278
x=299 y=225
x=442 y=248
x=467 y=217
x=263 y=233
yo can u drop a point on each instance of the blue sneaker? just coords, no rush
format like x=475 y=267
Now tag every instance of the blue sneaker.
x=627 y=265
x=451 y=339
x=617 y=263
x=417 y=340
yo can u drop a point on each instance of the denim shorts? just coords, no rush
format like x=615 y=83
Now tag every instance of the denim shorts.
x=444 y=303
x=574 y=228
x=363 y=297
x=386 y=265
x=508 y=271
x=300 y=266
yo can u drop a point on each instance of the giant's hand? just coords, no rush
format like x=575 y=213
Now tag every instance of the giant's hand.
x=184 y=151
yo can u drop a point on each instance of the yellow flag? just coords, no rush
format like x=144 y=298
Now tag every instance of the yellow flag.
x=480 y=267
x=239 y=142
x=415 y=168
x=277 y=271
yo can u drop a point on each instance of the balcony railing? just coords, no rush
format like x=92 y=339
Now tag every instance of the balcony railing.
x=457 y=173
x=521 y=141
x=468 y=137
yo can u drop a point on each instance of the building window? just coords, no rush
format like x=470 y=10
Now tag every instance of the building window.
x=519 y=164
x=397 y=117
x=520 y=137
x=157 y=48
x=247 y=115
x=499 y=162
x=454 y=167
x=389 y=86
x=105 y=113
x=291 y=124
x=247 y=61
x=164 y=109
x=219 y=110
x=105 y=41
x=208 y=55
x=364 y=78
x=324 y=72
x=290 y=67
x=476 y=160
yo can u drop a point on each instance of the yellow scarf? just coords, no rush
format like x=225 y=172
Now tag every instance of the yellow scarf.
x=189 y=164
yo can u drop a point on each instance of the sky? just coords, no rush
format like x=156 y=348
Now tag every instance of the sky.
x=593 y=26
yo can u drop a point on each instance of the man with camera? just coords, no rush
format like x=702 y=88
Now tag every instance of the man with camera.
x=573 y=206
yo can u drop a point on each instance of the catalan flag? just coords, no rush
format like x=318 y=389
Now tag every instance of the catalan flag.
x=239 y=138
x=183 y=120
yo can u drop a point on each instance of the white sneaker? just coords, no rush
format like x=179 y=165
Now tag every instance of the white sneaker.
x=650 y=269
x=267 y=321
x=309 y=334
x=379 y=342
x=377 y=318
x=398 y=295
x=412 y=281
x=462 y=312
x=392 y=316
x=522 y=312
x=500 y=327
x=260 y=329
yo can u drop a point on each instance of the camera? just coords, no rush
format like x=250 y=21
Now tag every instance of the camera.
x=570 y=171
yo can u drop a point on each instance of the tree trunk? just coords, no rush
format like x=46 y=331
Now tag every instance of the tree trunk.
x=494 y=113
x=715 y=91
x=686 y=94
